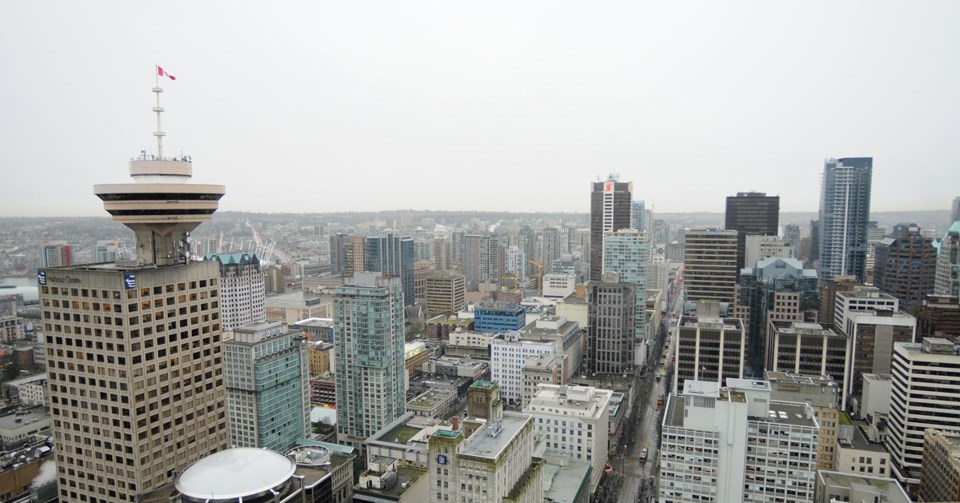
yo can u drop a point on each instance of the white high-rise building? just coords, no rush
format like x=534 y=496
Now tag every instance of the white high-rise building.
x=926 y=391
x=242 y=291
x=734 y=444
x=507 y=356
x=574 y=421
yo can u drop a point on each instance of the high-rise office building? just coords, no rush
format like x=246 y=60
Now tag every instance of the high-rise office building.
x=709 y=348
x=710 y=264
x=940 y=470
x=368 y=332
x=906 y=265
x=353 y=255
x=549 y=248
x=483 y=259
x=955 y=210
x=822 y=393
x=810 y=349
x=441 y=254
x=844 y=213
x=924 y=396
x=828 y=297
x=638 y=216
x=874 y=324
x=791 y=236
x=55 y=255
x=773 y=289
x=609 y=212
x=760 y=247
x=938 y=316
x=625 y=252
x=392 y=254
x=947 y=275
x=736 y=444
x=338 y=244
x=612 y=313
x=750 y=214
x=242 y=289
x=445 y=292
x=268 y=395
x=134 y=348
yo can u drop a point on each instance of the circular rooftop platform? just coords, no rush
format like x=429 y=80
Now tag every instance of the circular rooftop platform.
x=242 y=472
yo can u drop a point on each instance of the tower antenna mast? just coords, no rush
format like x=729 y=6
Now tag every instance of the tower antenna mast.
x=158 y=109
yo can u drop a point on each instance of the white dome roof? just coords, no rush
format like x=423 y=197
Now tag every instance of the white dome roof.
x=235 y=473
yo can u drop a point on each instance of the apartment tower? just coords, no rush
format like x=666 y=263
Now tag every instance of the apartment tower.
x=368 y=333
x=844 y=213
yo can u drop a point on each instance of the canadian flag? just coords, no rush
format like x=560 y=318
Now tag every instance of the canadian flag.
x=162 y=73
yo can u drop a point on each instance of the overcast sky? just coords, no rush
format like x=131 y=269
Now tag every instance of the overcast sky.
x=516 y=105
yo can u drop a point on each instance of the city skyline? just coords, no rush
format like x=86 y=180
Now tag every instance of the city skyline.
x=526 y=105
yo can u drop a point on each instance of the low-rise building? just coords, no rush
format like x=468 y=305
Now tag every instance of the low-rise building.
x=856 y=454
x=321 y=357
x=433 y=403
x=387 y=480
x=20 y=426
x=836 y=487
x=456 y=366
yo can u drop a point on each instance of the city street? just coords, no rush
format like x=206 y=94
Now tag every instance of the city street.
x=638 y=479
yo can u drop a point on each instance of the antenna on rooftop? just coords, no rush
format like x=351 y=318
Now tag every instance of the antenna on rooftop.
x=158 y=109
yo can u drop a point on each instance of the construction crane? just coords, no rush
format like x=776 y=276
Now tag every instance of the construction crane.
x=539 y=277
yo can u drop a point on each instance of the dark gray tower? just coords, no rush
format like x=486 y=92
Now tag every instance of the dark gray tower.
x=751 y=213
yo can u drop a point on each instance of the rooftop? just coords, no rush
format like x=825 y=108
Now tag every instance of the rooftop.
x=859 y=441
x=491 y=440
x=430 y=398
x=235 y=473
x=407 y=475
x=790 y=413
x=13 y=421
x=564 y=478
x=889 y=488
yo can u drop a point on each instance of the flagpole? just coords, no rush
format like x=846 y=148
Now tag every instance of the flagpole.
x=158 y=109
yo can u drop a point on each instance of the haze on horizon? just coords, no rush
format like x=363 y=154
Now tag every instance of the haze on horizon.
x=516 y=106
